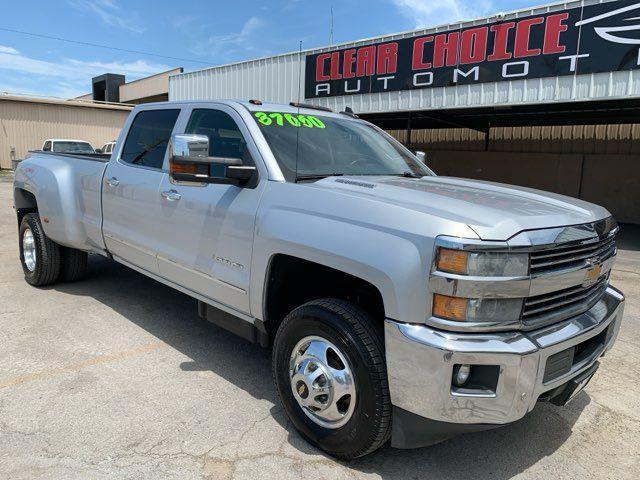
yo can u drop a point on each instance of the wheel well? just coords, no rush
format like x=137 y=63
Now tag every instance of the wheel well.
x=293 y=281
x=25 y=203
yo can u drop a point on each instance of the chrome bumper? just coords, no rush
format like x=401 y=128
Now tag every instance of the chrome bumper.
x=420 y=363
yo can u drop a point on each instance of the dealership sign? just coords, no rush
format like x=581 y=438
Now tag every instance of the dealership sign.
x=597 y=38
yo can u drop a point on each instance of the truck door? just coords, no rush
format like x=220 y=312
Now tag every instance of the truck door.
x=206 y=234
x=131 y=199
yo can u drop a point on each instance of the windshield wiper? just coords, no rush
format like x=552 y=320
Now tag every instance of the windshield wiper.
x=411 y=175
x=317 y=176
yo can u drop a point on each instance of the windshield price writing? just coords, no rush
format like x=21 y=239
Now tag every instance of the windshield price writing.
x=284 y=119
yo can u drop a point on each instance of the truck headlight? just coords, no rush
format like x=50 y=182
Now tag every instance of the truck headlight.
x=482 y=264
x=460 y=309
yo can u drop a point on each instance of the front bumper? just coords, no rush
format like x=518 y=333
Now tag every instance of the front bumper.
x=420 y=362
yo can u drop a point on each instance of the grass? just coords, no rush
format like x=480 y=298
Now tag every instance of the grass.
x=6 y=173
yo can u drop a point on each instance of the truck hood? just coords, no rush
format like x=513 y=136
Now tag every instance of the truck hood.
x=494 y=211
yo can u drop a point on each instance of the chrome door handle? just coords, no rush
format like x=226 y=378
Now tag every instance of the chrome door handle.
x=171 y=195
x=113 y=182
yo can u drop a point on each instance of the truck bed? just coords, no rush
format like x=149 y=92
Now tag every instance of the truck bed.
x=71 y=183
x=95 y=157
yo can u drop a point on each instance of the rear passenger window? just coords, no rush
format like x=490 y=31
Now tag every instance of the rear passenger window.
x=225 y=138
x=148 y=137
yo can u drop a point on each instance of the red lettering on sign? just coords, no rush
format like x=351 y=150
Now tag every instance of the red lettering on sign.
x=501 y=39
x=418 y=53
x=335 y=66
x=320 y=62
x=445 y=49
x=366 y=61
x=473 y=45
x=552 y=31
x=523 y=33
x=387 y=58
x=349 y=59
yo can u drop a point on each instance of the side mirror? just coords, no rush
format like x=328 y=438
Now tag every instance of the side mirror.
x=189 y=161
x=421 y=156
x=98 y=150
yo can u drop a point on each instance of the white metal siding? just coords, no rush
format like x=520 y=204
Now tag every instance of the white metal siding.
x=275 y=79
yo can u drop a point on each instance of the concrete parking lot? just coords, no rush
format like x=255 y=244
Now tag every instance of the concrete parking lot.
x=116 y=377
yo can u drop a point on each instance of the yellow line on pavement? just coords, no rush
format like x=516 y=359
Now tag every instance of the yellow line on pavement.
x=86 y=363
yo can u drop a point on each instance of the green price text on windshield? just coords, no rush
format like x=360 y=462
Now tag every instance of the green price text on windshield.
x=289 y=119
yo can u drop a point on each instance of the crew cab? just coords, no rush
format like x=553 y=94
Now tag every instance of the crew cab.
x=398 y=304
x=62 y=145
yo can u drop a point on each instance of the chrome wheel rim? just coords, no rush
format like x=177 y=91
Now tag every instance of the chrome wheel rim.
x=29 y=250
x=322 y=382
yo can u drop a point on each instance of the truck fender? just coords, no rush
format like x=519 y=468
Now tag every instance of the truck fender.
x=389 y=262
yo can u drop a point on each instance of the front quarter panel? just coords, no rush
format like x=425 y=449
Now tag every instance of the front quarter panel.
x=386 y=245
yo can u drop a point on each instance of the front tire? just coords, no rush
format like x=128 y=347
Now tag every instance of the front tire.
x=39 y=255
x=330 y=372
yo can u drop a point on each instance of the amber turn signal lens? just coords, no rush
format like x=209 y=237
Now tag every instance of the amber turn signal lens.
x=178 y=168
x=452 y=261
x=451 y=308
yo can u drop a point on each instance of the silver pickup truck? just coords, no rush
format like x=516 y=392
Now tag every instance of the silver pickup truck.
x=399 y=305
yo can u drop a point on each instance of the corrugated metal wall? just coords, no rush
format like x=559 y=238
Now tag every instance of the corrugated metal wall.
x=276 y=78
x=598 y=163
x=26 y=123
x=610 y=139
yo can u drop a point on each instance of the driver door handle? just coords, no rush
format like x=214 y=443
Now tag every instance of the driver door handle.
x=171 y=195
x=113 y=182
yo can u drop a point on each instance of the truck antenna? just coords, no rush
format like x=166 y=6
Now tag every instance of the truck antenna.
x=299 y=98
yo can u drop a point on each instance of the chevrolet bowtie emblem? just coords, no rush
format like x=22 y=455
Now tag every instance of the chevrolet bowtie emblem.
x=593 y=272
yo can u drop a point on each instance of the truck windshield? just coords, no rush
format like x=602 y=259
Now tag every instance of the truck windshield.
x=316 y=146
x=72 y=147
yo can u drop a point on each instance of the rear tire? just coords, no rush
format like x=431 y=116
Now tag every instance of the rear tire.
x=40 y=256
x=355 y=337
x=74 y=264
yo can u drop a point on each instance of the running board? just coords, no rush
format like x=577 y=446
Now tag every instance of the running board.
x=254 y=332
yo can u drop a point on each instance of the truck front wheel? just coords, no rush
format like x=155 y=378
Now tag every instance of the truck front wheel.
x=39 y=255
x=330 y=372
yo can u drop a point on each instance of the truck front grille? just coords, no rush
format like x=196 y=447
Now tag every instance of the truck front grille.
x=568 y=256
x=556 y=306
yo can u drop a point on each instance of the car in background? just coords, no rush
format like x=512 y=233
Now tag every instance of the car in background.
x=60 y=145
x=107 y=148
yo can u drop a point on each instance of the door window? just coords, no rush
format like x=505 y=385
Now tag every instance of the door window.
x=47 y=147
x=225 y=137
x=148 y=137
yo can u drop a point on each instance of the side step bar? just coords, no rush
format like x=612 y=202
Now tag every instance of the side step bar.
x=255 y=332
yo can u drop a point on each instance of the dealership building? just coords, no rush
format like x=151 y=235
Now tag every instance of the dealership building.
x=547 y=97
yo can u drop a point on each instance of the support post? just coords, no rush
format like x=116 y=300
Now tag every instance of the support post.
x=487 y=135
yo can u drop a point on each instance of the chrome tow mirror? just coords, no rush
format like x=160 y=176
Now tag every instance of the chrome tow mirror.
x=189 y=161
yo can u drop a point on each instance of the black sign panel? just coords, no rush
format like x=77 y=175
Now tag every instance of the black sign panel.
x=591 y=39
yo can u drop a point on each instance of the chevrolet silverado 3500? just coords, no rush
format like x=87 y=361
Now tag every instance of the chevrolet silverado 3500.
x=399 y=305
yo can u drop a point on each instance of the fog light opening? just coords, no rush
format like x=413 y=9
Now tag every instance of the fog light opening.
x=461 y=374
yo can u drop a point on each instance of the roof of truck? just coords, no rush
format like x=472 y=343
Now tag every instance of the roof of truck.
x=253 y=106
x=65 y=140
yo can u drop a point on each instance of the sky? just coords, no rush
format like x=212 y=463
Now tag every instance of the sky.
x=197 y=33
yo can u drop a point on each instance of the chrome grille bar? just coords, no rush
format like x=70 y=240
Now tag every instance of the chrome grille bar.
x=551 y=308
x=563 y=257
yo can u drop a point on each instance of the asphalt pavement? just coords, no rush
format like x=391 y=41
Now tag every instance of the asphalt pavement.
x=116 y=377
